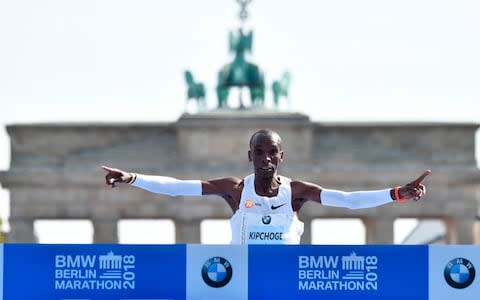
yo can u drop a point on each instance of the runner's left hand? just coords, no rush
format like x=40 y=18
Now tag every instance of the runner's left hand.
x=415 y=189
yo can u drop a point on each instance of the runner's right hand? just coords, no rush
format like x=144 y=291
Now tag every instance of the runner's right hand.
x=116 y=176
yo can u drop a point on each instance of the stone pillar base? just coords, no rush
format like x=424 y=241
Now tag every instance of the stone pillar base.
x=21 y=231
x=105 y=231
x=460 y=231
x=187 y=232
x=379 y=231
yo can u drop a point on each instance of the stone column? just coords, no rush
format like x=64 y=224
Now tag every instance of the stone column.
x=450 y=234
x=21 y=231
x=460 y=231
x=476 y=232
x=307 y=231
x=105 y=231
x=187 y=232
x=379 y=231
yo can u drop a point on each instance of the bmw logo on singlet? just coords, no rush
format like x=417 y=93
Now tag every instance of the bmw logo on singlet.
x=266 y=220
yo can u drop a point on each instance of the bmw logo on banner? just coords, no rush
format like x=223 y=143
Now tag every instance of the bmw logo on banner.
x=217 y=272
x=459 y=273
x=452 y=273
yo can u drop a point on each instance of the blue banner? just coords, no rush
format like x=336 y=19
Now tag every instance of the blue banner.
x=338 y=272
x=94 y=272
x=191 y=272
x=1 y=271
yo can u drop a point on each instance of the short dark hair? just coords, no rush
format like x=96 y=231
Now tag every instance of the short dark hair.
x=266 y=132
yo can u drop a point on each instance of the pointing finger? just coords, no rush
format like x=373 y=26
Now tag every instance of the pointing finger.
x=107 y=169
x=418 y=181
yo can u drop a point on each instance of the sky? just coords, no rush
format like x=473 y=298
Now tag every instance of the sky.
x=350 y=61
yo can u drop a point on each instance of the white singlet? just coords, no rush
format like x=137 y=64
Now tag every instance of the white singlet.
x=266 y=220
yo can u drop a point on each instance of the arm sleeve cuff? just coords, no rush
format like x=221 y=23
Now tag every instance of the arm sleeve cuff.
x=355 y=200
x=168 y=185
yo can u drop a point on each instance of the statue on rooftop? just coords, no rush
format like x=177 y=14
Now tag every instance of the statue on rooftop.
x=280 y=88
x=195 y=90
x=240 y=73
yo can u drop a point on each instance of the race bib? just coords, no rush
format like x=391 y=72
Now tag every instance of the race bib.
x=265 y=229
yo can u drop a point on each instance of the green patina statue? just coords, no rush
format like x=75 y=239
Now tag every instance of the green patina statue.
x=195 y=90
x=280 y=88
x=240 y=73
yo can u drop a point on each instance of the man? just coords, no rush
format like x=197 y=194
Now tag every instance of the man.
x=265 y=204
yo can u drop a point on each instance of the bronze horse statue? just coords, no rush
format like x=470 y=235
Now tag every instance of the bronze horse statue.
x=240 y=73
x=195 y=90
x=280 y=88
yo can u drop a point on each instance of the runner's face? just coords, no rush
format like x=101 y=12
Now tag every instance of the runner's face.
x=266 y=154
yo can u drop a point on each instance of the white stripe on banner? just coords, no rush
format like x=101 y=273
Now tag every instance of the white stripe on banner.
x=217 y=272
x=454 y=272
x=1 y=271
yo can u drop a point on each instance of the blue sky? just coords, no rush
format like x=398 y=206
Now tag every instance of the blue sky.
x=106 y=60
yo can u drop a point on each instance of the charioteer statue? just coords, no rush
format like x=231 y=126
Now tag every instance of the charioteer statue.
x=240 y=73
